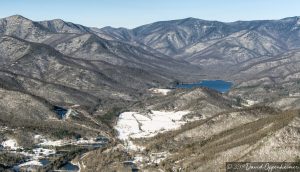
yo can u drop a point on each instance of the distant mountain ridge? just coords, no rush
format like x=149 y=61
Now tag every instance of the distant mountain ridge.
x=219 y=48
x=178 y=34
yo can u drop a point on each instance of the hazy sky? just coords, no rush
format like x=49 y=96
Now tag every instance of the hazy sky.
x=132 y=13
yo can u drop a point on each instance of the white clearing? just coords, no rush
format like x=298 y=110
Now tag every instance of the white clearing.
x=10 y=144
x=249 y=103
x=160 y=91
x=136 y=125
x=31 y=163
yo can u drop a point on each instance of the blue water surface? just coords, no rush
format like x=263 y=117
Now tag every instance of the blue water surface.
x=218 y=85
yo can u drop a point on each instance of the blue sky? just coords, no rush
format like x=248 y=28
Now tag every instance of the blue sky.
x=132 y=13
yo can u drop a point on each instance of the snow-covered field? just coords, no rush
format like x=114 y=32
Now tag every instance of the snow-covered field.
x=31 y=163
x=160 y=91
x=10 y=144
x=249 y=103
x=136 y=125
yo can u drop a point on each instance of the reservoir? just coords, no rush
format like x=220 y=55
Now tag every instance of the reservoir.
x=218 y=85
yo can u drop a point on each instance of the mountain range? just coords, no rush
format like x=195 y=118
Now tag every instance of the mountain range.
x=95 y=74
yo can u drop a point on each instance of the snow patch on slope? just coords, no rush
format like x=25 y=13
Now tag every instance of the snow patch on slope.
x=250 y=103
x=10 y=144
x=31 y=163
x=160 y=91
